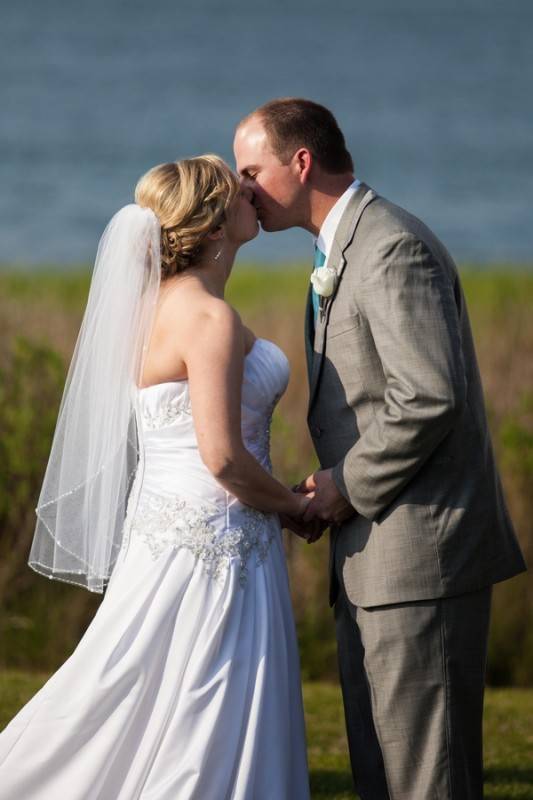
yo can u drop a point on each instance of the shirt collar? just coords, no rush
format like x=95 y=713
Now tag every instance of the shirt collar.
x=329 y=227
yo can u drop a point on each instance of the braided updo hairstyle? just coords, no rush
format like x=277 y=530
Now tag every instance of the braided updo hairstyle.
x=190 y=199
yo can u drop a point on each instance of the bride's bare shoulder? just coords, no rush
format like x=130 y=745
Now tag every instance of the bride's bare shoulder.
x=192 y=313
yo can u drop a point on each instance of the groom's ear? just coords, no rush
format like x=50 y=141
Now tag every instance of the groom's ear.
x=303 y=161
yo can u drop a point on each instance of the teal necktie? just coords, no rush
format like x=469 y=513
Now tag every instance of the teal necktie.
x=319 y=261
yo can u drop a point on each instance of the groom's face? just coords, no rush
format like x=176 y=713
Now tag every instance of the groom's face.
x=275 y=186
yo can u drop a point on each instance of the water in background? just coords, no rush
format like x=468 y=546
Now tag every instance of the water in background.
x=434 y=99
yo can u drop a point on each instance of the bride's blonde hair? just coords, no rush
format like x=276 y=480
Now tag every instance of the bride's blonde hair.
x=190 y=198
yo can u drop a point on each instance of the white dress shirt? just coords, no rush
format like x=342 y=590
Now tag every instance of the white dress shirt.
x=329 y=227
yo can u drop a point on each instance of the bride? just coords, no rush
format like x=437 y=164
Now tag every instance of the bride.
x=186 y=684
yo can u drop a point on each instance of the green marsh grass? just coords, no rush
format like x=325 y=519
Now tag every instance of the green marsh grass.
x=40 y=314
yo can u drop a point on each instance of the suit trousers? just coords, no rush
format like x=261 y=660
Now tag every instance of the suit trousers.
x=412 y=677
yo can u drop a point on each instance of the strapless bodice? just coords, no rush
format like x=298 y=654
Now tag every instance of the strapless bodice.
x=172 y=461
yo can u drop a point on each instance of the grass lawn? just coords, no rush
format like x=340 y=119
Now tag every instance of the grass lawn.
x=508 y=744
x=508 y=737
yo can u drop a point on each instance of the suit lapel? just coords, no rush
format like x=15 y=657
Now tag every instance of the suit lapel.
x=343 y=238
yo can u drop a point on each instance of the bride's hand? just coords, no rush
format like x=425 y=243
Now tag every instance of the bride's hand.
x=301 y=502
x=310 y=531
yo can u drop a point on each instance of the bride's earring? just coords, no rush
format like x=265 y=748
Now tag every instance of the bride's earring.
x=217 y=256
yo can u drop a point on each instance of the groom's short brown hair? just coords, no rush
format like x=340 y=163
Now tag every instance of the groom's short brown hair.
x=292 y=122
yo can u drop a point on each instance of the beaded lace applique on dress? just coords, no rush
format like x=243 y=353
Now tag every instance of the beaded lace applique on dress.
x=166 y=414
x=162 y=522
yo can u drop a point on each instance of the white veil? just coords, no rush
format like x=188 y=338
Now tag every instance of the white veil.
x=82 y=505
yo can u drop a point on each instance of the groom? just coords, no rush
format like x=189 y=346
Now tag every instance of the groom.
x=408 y=483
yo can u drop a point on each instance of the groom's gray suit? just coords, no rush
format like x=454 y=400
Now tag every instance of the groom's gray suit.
x=396 y=409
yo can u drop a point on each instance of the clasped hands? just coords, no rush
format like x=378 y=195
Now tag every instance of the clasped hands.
x=326 y=506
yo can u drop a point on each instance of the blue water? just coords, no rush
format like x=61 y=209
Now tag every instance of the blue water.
x=434 y=97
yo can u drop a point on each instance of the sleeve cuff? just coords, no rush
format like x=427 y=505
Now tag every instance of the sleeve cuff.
x=337 y=476
x=338 y=479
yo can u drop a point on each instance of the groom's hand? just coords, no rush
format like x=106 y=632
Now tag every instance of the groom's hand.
x=327 y=503
x=310 y=531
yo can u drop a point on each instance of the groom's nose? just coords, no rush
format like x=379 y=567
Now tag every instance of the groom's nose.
x=247 y=190
x=246 y=181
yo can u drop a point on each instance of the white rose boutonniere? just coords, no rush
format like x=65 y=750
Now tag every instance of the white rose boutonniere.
x=323 y=280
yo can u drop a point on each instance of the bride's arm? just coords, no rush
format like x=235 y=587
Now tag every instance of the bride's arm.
x=214 y=356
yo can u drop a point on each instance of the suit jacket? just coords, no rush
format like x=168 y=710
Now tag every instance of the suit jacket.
x=396 y=409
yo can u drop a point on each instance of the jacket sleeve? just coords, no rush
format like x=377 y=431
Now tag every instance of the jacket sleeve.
x=407 y=299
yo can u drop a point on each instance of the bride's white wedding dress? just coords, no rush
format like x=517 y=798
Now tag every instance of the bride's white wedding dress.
x=186 y=684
